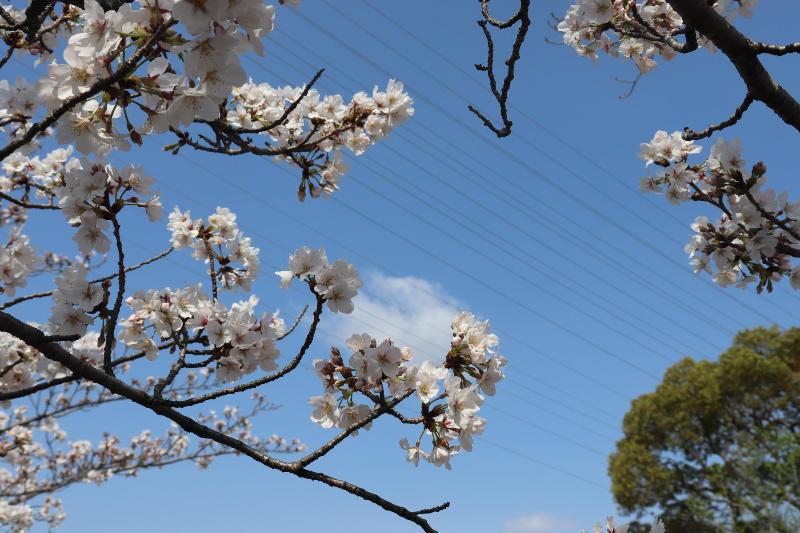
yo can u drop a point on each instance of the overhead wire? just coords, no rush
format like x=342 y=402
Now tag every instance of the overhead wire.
x=513 y=157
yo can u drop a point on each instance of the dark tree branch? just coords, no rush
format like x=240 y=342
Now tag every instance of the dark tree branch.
x=33 y=389
x=744 y=56
x=501 y=95
x=776 y=49
x=431 y=510
x=26 y=205
x=111 y=319
x=53 y=351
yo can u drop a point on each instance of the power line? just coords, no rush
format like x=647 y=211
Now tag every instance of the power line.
x=506 y=335
x=526 y=279
x=519 y=419
x=553 y=271
x=542 y=221
x=511 y=156
x=511 y=393
x=580 y=153
x=257 y=234
x=539 y=462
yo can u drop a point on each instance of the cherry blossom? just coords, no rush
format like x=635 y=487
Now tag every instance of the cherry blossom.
x=105 y=82
x=756 y=236
x=373 y=367
x=639 y=31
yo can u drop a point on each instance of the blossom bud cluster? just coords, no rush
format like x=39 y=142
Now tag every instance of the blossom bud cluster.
x=612 y=27
x=327 y=122
x=471 y=367
x=758 y=231
x=336 y=283
x=219 y=242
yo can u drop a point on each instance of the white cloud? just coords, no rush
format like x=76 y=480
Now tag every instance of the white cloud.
x=411 y=311
x=539 y=523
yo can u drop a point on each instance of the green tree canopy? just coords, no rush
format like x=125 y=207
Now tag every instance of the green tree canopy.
x=716 y=447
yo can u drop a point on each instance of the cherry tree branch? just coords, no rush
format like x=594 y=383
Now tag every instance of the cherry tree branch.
x=101 y=85
x=111 y=320
x=691 y=135
x=501 y=95
x=33 y=389
x=743 y=54
x=137 y=266
x=331 y=444
x=26 y=205
x=53 y=351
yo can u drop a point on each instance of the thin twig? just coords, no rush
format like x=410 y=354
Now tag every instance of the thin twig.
x=26 y=205
x=691 y=135
x=775 y=49
x=632 y=86
x=111 y=320
x=331 y=444
x=294 y=326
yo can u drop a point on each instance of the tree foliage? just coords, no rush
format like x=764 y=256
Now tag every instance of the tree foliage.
x=716 y=447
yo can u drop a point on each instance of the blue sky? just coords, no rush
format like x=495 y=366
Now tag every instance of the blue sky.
x=544 y=233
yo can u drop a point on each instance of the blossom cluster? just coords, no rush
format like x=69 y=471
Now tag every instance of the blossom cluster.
x=24 y=173
x=217 y=241
x=328 y=123
x=75 y=301
x=190 y=72
x=633 y=30
x=21 y=365
x=337 y=283
x=18 y=260
x=240 y=340
x=757 y=233
x=92 y=193
x=470 y=368
x=207 y=59
x=21 y=517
